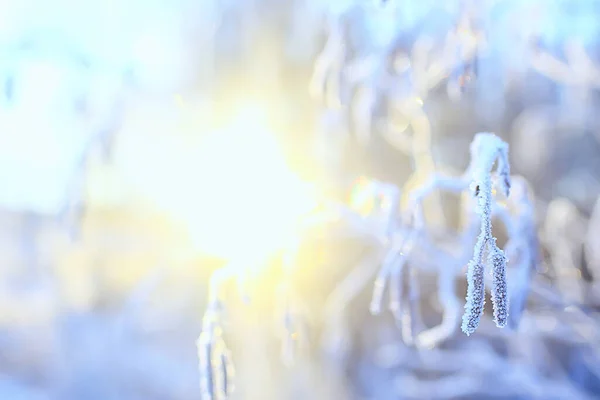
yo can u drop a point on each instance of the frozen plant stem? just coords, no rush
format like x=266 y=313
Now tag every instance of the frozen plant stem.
x=215 y=365
x=396 y=244
x=216 y=368
x=486 y=150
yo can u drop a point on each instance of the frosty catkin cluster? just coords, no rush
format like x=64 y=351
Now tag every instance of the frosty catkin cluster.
x=486 y=150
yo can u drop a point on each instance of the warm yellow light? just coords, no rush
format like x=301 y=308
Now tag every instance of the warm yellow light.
x=230 y=187
x=244 y=202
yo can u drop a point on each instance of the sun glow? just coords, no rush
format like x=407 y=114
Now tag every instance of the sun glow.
x=244 y=201
x=228 y=185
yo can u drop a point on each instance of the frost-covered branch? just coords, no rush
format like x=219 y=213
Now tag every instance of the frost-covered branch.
x=486 y=150
x=215 y=363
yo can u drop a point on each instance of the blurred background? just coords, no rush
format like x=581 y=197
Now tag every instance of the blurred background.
x=145 y=145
